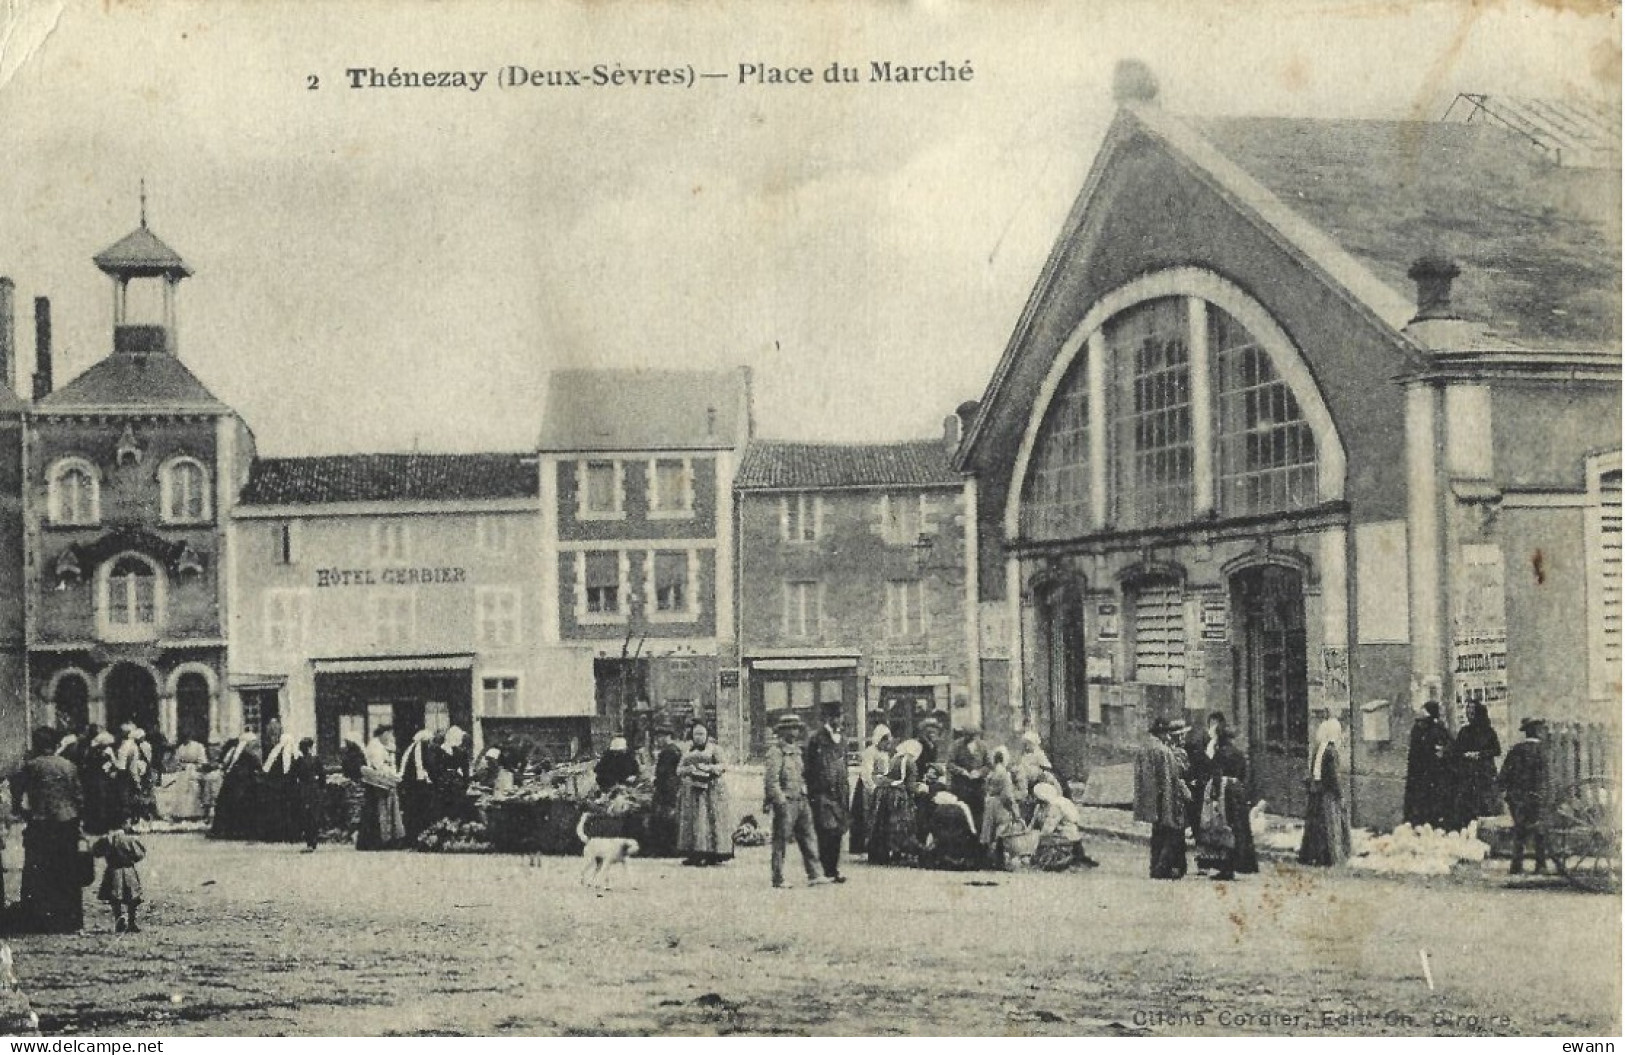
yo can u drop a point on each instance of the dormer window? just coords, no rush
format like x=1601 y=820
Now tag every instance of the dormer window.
x=184 y=487
x=129 y=450
x=75 y=497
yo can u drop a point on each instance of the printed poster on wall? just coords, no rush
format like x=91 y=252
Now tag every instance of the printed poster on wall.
x=1479 y=638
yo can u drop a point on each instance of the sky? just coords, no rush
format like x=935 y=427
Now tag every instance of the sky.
x=398 y=269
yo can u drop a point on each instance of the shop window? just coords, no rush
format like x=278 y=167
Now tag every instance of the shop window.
x=184 y=491
x=130 y=599
x=671 y=487
x=775 y=695
x=1159 y=632
x=75 y=496
x=905 y=608
x=436 y=716
x=1057 y=499
x=802 y=609
x=598 y=490
x=900 y=518
x=602 y=582
x=497 y=610
x=394 y=618
x=1266 y=448
x=801 y=695
x=831 y=690
x=391 y=540
x=378 y=716
x=800 y=517
x=1151 y=347
x=285 y=620
x=353 y=729
x=499 y=697
x=671 y=582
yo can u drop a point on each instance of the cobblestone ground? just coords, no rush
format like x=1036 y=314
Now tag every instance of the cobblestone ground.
x=263 y=940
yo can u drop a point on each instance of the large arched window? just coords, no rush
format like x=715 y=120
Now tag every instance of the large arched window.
x=184 y=490
x=75 y=498
x=1266 y=449
x=1056 y=503
x=70 y=699
x=131 y=599
x=1175 y=400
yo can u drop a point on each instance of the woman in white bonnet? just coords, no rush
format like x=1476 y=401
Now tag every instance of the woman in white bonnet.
x=871 y=770
x=1325 y=822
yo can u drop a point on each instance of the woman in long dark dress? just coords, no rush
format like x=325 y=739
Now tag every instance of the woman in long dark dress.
x=98 y=782
x=871 y=766
x=1473 y=756
x=47 y=794
x=1326 y=823
x=234 y=808
x=893 y=825
x=450 y=773
x=1226 y=848
x=279 y=813
x=1427 y=770
x=417 y=785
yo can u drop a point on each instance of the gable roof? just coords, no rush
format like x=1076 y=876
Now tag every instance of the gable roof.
x=1538 y=243
x=141 y=254
x=634 y=410
x=389 y=478
x=812 y=466
x=125 y=381
x=1319 y=187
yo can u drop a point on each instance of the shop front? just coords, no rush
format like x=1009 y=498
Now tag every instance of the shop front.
x=800 y=685
x=357 y=697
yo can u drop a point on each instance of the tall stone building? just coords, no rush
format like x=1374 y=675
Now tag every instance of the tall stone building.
x=132 y=471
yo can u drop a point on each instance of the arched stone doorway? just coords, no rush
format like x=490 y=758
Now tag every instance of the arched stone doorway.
x=192 y=708
x=70 y=699
x=131 y=693
x=1272 y=681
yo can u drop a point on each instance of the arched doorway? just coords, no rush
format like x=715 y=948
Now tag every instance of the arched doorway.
x=71 y=701
x=132 y=696
x=192 y=708
x=1272 y=681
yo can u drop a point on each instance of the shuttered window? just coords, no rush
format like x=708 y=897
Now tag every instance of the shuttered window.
x=1159 y=633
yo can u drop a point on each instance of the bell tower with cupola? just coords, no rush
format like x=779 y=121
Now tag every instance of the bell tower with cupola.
x=145 y=274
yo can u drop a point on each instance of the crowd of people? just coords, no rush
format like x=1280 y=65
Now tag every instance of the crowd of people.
x=915 y=802
x=1452 y=781
x=1196 y=781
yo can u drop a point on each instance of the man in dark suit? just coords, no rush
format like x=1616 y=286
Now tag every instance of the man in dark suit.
x=1523 y=780
x=827 y=790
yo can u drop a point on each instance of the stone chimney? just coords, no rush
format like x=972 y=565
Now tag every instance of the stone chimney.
x=8 y=334
x=1133 y=82
x=42 y=347
x=1434 y=273
x=955 y=425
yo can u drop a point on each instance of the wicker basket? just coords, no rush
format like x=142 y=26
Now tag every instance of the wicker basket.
x=1022 y=845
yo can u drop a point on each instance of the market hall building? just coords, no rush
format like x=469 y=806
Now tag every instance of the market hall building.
x=132 y=471
x=394 y=589
x=1309 y=418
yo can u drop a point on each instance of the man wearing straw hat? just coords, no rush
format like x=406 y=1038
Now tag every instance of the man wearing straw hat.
x=785 y=799
x=1523 y=781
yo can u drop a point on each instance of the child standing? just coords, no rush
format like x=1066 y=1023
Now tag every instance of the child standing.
x=309 y=778
x=121 y=883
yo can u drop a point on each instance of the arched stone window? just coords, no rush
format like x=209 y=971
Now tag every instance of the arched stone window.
x=1267 y=461
x=1057 y=501
x=70 y=699
x=184 y=490
x=130 y=599
x=74 y=493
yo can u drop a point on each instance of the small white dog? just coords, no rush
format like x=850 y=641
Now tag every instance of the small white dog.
x=601 y=853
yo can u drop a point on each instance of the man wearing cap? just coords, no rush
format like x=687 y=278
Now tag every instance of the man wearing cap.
x=785 y=798
x=1523 y=781
x=827 y=790
x=667 y=758
x=1161 y=800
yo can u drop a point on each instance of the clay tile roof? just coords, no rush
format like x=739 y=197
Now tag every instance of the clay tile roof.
x=390 y=478
x=915 y=463
x=153 y=381
x=141 y=254
x=1538 y=243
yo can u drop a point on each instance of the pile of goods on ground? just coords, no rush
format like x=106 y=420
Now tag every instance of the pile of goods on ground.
x=450 y=836
x=541 y=816
x=342 y=799
x=1423 y=851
